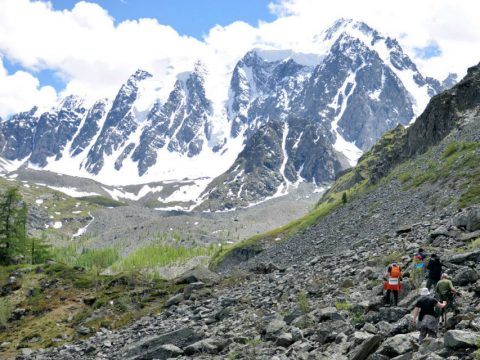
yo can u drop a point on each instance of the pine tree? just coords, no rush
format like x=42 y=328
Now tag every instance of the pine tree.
x=13 y=226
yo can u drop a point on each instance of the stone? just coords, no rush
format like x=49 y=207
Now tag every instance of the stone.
x=367 y=347
x=190 y=288
x=392 y=314
x=396 y=345
x=329 y=313
x=209 y=346
x=465 y=276
x=83 y=330
x=473 y=219
x=441 y=230
x=151 y=347
x=468 y=256
x=197 y=274
x=461 y=339
x=347 y=283
x=174 y=300
x=475 y=324
x=284 y=340
x=274 y=327
x=171 y=350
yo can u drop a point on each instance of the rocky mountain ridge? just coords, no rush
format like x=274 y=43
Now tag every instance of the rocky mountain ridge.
x=315 y=119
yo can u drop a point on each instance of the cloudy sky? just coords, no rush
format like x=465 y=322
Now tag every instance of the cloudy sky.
x=52 y=48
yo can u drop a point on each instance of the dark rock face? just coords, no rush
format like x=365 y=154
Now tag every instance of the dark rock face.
x=17 y=135
x=90 y=128
x=119 y=124
x=54 y=130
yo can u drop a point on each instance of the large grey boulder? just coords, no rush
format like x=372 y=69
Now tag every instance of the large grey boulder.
x=209 y=346
x=461 y=339
x=396 y=345
x=197 y=274
x=465 y=276
x=362 y=351
x=468 y=256
x=153 y=347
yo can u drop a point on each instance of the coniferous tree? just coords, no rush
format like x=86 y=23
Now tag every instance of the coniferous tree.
x=13 y=223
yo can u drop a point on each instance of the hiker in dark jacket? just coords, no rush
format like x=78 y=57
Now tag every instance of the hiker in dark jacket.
x=434 y=268
x=425 y=310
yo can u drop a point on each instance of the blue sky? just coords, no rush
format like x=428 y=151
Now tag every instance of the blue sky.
x=188 y=17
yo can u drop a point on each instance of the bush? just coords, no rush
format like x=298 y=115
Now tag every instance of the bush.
x=393 y=257
x=5 y=312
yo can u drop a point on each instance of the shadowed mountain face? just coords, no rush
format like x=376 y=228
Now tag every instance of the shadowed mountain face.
x=286 y=120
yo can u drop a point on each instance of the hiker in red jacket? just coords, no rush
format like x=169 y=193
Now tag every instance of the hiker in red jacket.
x=392 y=284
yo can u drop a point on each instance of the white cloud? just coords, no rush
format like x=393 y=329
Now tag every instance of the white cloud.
x=21 y=91
x=94 y=55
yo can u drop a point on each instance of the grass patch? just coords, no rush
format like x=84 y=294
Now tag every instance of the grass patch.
x=5 y=312
x=102 y=201
x=74 y=255
x=159 y=255
x=303 y=302
x=395 y=256
x=343 y=305
x=475 y=244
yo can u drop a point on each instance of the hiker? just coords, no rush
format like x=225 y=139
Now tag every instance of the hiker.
x=419 y=260
x=425 y=311
x=434 y=268
x=446 y=292
x=392 y=284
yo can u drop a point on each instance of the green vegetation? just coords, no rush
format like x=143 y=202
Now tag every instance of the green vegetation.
x=159 y=255
x=5 y=312
x=303 y=302
x=475 y=244
x=458 y=165
x=15 y=245
x=102 y=201
x=394 y=256
x=343 y=305
x=75 y=255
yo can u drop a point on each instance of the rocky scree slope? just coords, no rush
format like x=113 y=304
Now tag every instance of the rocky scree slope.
x=306 y=114
x=317 y=295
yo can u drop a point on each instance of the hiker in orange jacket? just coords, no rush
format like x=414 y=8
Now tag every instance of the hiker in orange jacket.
x=393 y=284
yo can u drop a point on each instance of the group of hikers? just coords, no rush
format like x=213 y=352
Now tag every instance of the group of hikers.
x=435 y=299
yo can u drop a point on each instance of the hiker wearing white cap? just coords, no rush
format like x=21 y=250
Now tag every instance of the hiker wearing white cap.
x=425 y=311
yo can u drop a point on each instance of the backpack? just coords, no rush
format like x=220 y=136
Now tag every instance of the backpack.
x=395 y=271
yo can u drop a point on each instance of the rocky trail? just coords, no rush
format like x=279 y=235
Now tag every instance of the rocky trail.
x=329 y=306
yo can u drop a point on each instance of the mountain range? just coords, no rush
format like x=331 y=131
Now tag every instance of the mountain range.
x=288 y=118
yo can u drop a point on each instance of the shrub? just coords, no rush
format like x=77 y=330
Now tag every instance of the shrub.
x=395 y=256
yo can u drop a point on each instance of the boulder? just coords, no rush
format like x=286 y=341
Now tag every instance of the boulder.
x=396 y=345
x=284 y=340
x=468 y=256
x=441 y=230
x=465 y=276
x=473 y=219
x=456 y=339
x=392 y=314
x=174 y=300
x=274 y=327
x=197 y=274
x=153 y=347
x=209 y=346
x=367 y=347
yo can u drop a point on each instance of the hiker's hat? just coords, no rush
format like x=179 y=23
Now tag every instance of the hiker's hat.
x=424 y=292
